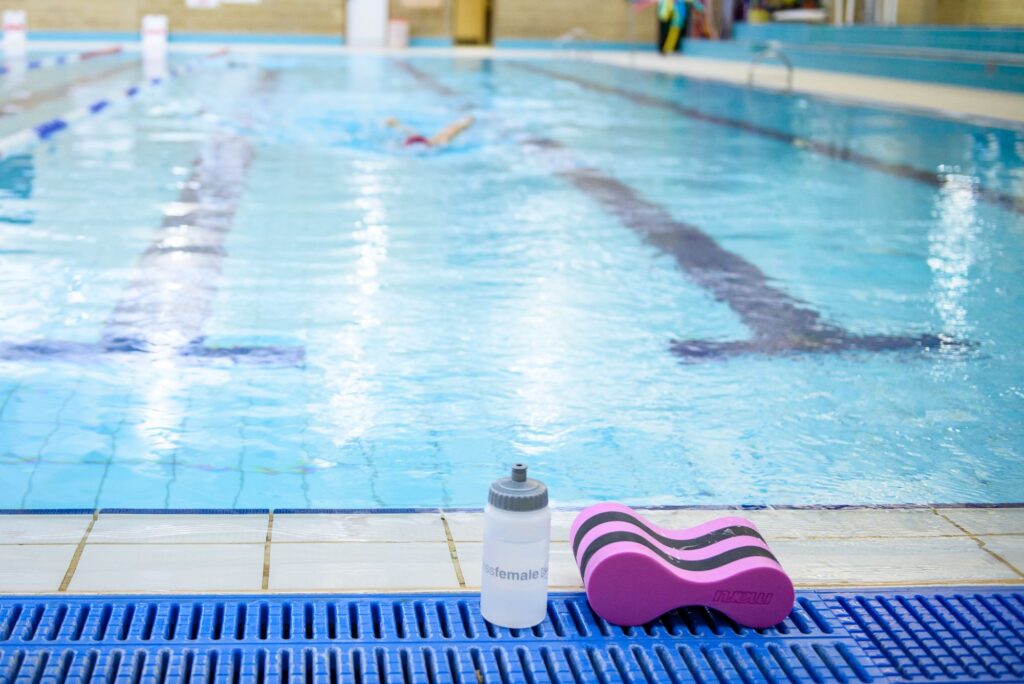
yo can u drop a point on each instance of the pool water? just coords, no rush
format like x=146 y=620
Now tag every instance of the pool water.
x=240 y=290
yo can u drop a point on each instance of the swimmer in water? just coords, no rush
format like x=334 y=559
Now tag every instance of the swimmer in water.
x=444 y=137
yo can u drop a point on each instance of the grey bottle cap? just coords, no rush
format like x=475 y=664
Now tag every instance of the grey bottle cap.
x=517 y=492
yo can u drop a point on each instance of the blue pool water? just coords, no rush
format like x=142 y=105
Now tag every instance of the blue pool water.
x=313 y=316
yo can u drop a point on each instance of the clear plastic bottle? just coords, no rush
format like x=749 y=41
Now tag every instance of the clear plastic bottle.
x=517 y=533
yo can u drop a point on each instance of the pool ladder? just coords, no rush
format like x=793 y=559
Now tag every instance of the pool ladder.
x=764 y=52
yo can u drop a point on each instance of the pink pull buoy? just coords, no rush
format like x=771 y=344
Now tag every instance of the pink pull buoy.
x=635 y=571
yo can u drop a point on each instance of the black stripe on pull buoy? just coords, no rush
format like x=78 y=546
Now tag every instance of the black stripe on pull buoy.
x=681 y=544
x=702 y=565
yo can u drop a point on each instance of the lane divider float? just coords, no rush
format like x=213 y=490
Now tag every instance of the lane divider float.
x=47 y=129
x=62 y=60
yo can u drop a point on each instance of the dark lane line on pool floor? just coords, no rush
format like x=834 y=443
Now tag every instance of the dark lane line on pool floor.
x=932 y=179
x=168 y=300
x=166 y=304
x=425 y=79
x=780 y=324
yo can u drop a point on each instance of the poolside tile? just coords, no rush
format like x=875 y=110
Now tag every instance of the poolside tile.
x=117 y=528
x=775 y=524
x=469 y=526
x=1010 y=547
x=987 y=520
x=872 y=561
x=43 y=529
x=413 y=527
x=562 y=570
x=850 y=523
x=32 y=568
x=361 y=566
x=466 y=526
x=169 y=567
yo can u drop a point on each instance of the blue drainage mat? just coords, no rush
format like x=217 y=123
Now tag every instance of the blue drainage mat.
x=965 y=635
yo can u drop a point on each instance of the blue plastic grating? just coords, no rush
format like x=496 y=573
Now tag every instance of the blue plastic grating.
x=970 y=635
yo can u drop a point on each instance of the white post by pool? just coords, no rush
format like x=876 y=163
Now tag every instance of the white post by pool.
x=154 y=36
x=15 y=43
x=366 y=23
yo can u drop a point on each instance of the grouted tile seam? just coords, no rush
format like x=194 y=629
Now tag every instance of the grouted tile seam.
x=478 y=540
x=267 y=546
x=77 y=555
x=453 y=551
x=255 y=542
x=956 y=531
x=472 y=589
x=479 y=511
x=981 y=543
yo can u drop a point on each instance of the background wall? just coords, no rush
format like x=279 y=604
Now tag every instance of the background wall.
x=320 y=17
x=426 y=19
x=605 y=20
x=975 y=12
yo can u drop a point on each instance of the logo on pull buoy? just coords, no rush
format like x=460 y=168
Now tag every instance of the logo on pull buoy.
x=759 y=598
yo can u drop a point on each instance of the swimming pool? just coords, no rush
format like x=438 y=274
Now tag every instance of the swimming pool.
x=241 y=291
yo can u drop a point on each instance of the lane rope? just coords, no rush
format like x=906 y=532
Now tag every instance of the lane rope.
x=55 y=61
x=43 y=131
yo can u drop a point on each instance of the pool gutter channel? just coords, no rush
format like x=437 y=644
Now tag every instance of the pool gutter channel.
x=962 y=635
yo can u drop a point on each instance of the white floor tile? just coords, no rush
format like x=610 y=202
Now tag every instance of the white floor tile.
x=385 y=527
x=116 y=528
x=466 y=526
x=850 y=523
x=43 y=529
x=358 y=566
x=987 y=520
x=169 y=567
x=867 y=561
x=1010 y=547
x=684 y=518
x=34 y=568
x=469 y=526
x=908 y=93
x=774 y=524
x=562 y=570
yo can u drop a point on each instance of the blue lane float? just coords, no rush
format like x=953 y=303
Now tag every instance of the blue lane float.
x=163 y=310
x=44 y=63
x=17 y=141
x=936 y=635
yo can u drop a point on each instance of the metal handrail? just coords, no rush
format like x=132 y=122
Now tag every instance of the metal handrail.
x=571 y=36
x=771 y=49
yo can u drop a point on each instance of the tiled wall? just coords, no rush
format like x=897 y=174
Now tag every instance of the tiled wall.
x=269 y=16
x=994 y=12
x=603 y=20
x=323 y=17
x=974 y=12
x=426 y=19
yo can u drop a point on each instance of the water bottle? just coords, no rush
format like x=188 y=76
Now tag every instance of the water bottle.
x=517 y=533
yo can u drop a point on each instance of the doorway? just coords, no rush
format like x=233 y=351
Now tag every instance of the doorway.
x=472 y=22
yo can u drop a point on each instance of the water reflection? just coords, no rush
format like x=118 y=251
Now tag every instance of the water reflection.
x=953 y=245
x=350 y=370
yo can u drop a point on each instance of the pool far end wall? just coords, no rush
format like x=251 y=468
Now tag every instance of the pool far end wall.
x=974 y=13
x=512 y=20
